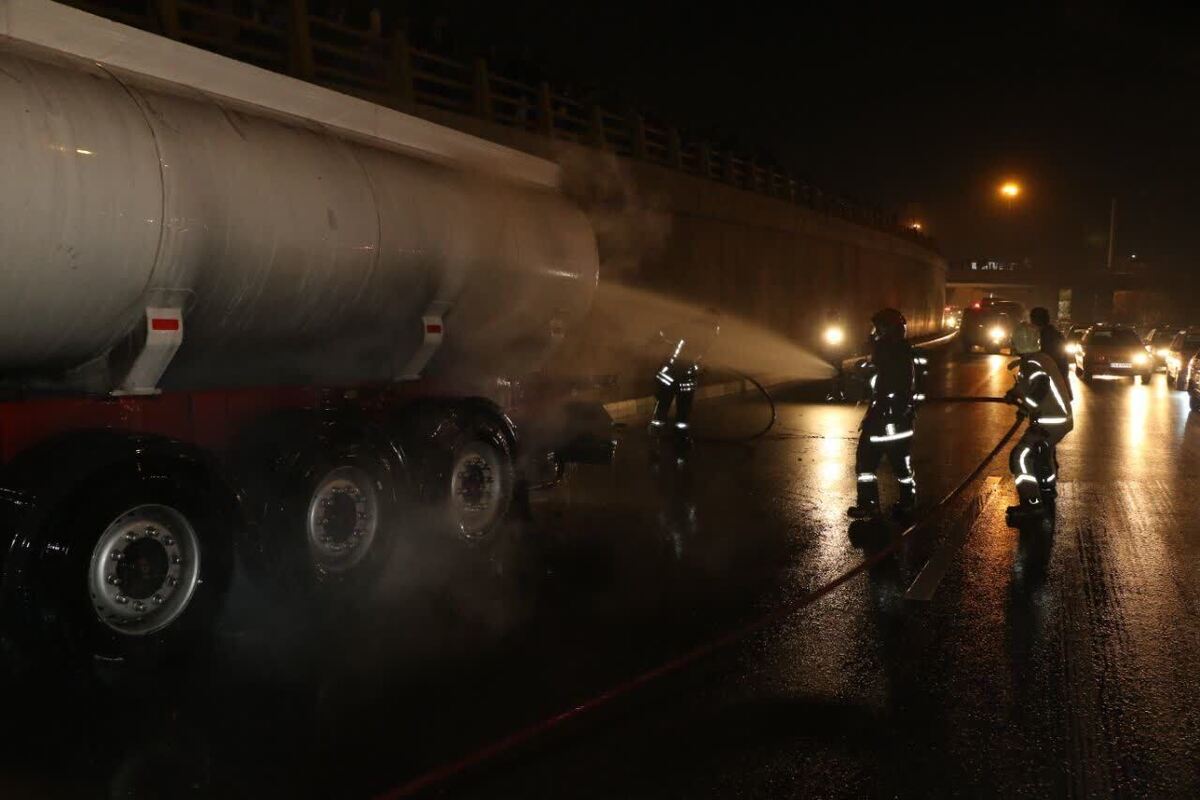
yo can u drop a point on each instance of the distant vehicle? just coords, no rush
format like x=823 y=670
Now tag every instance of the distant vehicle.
x=1159 y=342
x=952 y=317
x=1112 y=350
x=1179 y=357
x=1074 y=336
x=988 y=323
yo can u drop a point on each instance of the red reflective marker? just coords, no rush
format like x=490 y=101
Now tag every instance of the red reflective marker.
x=164 y=324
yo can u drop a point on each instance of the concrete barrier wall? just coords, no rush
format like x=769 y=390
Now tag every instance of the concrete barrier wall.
x=777 y=264
x=781 y=265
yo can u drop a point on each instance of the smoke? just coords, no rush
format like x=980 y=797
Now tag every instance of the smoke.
x=629 y=230
x=621 y=335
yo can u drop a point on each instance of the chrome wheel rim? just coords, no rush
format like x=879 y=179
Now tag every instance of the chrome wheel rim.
x=343 y=519
x=144 y=570
x=476 y=489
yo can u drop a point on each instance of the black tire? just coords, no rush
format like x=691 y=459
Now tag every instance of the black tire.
x=1194 y=402
x=154 y=540
x=332 y=519
x=1180 y=382
x=966 y=345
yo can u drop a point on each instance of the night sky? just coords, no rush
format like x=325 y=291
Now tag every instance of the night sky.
x=922 y=109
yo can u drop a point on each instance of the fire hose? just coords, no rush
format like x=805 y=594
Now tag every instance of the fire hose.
x=441 y=774
x=757 y=434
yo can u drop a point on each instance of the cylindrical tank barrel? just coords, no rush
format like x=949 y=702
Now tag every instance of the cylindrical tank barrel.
x=296 y=254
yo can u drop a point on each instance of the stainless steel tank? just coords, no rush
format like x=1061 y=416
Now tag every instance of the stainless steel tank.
x=298 y=254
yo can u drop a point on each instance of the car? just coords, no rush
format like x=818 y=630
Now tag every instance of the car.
x=1112 y=350
x=1179 y=357
x=1159 y=342
x=987 y=324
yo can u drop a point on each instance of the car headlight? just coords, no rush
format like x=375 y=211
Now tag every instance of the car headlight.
x=997 y=333
x=834 y=335
x=1163 y=352
x=1140 y=359
x=1072 y=348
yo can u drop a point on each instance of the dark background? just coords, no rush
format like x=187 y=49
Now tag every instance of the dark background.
x=920 y=108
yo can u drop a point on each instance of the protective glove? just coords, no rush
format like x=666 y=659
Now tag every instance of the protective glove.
x=1011 y=398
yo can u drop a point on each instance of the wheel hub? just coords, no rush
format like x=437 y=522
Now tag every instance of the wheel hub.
x=475 y=490
x=343 y=519
x=144 y=569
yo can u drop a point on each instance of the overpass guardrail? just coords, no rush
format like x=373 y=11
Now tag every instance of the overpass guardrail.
x=297 y=39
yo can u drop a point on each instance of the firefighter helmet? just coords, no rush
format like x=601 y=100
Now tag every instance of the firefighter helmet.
x=889 y=324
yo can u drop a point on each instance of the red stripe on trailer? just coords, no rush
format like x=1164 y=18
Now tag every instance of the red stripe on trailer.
x=164 y=324
x=433 y=328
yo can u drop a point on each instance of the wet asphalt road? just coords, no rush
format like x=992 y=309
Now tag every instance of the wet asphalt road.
x=1028 y=666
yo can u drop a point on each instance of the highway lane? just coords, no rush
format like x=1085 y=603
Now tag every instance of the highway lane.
x=1035 y=667
x=1060 y=666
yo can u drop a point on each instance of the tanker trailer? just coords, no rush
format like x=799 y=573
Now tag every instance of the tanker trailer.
x=246 y=321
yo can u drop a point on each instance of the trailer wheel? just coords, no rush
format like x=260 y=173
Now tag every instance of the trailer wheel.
x=134 y=567
x=465 y=471
x=481 y=485
x=343 y=519
x=333 y=523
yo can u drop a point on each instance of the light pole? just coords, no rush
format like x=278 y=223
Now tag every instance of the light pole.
x=1112 y=230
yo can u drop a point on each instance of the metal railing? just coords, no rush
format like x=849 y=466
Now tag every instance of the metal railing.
x=386 y=69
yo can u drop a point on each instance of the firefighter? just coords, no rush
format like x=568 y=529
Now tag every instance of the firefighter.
x=893 y=371
x=1040 y=393
x=676 y=378
x=1053 y=345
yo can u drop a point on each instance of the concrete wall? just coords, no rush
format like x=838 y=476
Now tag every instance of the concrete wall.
x=781 y=265
x=772 y=262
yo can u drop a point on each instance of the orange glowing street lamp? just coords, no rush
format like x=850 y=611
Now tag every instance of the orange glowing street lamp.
x=916 y=225
x=1010 y=190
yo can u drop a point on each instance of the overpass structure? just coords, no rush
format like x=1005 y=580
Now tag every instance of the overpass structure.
x=1120 y=295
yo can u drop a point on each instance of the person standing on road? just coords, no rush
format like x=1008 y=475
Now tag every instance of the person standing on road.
x=1040 y=393
x=678 y=375
x=1053 y=345
x=887 y=427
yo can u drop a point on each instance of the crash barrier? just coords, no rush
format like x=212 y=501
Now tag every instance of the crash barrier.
x=310 y=40
x=442 y=774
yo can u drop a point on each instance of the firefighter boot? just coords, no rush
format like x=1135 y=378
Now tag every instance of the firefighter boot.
x=907 y=504
x=1030 y=507
x=867 y=506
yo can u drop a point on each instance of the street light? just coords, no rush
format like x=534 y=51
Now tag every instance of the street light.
x=916 y=226
x=1010 y=190
x=834 y=335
